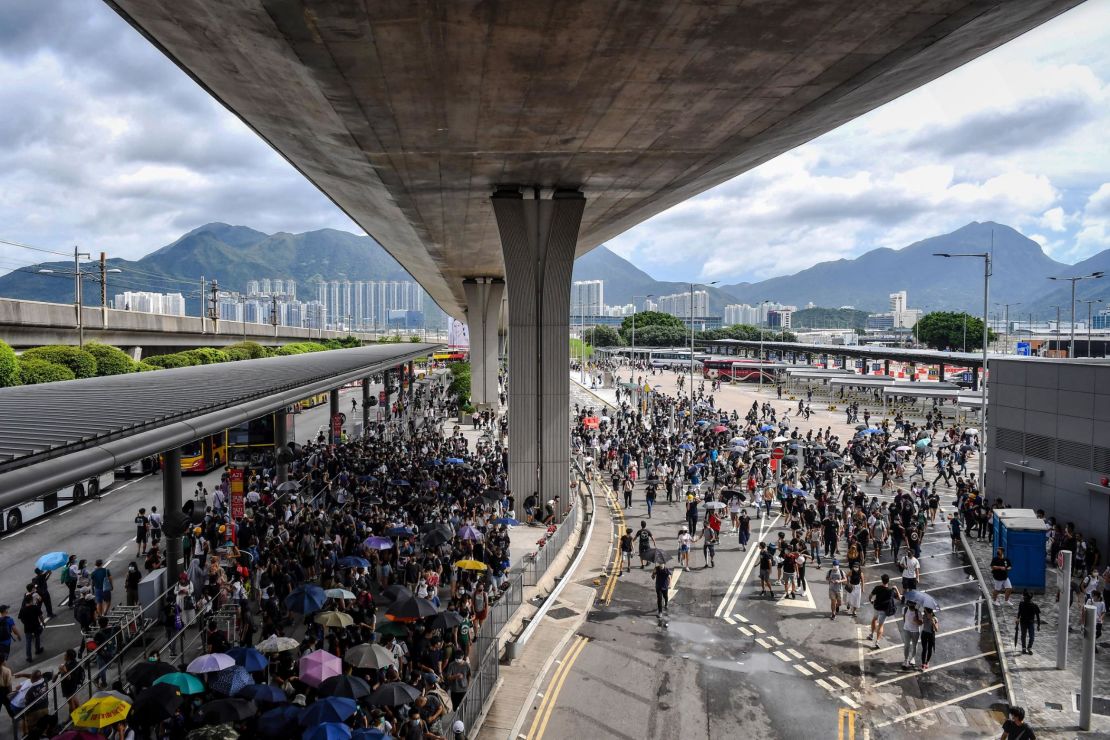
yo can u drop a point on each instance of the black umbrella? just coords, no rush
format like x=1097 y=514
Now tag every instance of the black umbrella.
x=227 y=710
x=655 y=555
x=351 y=687
x=155 y=704
x=412 y=608
x=830 y=456
x=446 y=620
x=393 y=694
x=145 y=673
x=860 y=427
x=492 y=494
x=396 y=592
x=436 y=537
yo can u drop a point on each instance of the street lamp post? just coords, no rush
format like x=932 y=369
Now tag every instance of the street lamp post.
x=1089 y=302
x=649 y=295
x=78 y=285
x=1073 y=281
x=1006 y=323
x=692 y=337
x=1057 y=325
x=986 y=257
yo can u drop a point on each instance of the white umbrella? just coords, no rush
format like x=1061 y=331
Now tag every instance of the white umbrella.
x=276 y=644
x=971 y=431
x=210 y=663
x=339 y=593
x=903 y=448
x=780 y=439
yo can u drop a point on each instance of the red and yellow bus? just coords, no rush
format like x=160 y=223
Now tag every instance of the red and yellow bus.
x=204 y=454
x=735 y=369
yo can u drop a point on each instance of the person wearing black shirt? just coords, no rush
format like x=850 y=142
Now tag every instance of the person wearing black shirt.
x=1000 y=574
x=644 y=541
x=1015 y=728
x=882 y=598
x=142 y=524
x=1028 y=614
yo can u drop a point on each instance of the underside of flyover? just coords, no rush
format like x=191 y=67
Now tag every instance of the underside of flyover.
x=488 y=140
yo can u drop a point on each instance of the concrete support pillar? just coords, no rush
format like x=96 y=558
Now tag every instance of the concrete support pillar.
x=333 y=409
x=940 y=371
x=538 y=240
x=281 y=448
x=483 y=310
x=387 y=377
x=886 y=367
x=171 y=504
x=135 y=353
x=365 y=406
x=975 y=378
x=844 y=362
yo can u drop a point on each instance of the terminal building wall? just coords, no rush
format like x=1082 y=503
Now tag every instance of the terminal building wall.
x=1048 y=442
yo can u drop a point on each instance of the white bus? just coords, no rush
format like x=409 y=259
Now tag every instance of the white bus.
x=15 y=517
x=672 y=358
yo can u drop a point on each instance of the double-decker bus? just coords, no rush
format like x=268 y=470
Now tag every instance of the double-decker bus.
x=450 y=356
x=204 y=454
x=736 y=369
x=15 y=517
x=250 y=443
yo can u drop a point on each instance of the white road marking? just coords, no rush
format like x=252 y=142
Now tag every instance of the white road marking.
x=730 y=620
x=728 y=603
x=795 y=653
x=934 y=668
x=774 y=639
x=816 y=667
x=941 y=705
x=741 y=617
x=923 y=573
x=849 y=702
x=804 y=600
x=69 y=510
x=825 y=685
x=802 y=670
x=782 y=656
x=16 y=533
x=838 y=682
x=67 y=624
x=121 y=549
x=86 y=503
x=860 y=656
x=758 y=629
x=899 y=646
x=747 y=632
x=763 y=643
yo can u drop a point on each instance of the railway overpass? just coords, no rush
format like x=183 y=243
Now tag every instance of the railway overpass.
x=25 y=324
x=486 y=144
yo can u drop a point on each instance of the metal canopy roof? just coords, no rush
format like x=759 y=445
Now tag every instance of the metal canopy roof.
x=56 y=434
x=875 y=352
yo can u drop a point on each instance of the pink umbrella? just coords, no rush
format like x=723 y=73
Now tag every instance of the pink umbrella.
x=319 y=666
x=720 y=428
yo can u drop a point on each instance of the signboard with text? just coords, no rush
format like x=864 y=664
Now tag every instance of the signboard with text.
x=238 y=498
x=336 y=428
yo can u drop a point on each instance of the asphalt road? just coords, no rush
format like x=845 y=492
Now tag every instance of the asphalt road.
x=104 y=528
x=731 y=661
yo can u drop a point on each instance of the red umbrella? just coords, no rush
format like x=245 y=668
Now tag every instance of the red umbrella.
x=720 y=428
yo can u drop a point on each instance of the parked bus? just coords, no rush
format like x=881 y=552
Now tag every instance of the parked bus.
x=313 y=401
x=452 y=356
x=204 y=454
x=15 y=517
x=252 y=442
x=735 y=369
x=672 y=359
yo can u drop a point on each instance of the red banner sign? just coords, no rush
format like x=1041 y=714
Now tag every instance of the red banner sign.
x=238 y=499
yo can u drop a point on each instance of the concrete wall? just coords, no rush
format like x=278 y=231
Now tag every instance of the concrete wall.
x=1048 y=442
x=26 y=324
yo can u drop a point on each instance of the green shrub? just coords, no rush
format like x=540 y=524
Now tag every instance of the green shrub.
x=146 y=367
x=415 y=339
x=299 y=348
x=33 y=370
x=180 y=359
x=80 y=363
x=110 y=360
x=235 y=354
x=207 y=355
x=9 y=366
x=254 y=350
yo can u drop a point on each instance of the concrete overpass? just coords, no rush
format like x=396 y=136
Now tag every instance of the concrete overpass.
x=485 y=141
x=26 y=324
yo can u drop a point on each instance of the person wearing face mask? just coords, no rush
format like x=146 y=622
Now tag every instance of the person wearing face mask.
x=131 y=584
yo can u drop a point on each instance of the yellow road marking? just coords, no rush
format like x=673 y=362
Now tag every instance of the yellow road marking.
x=846 y=719
x=543 y=714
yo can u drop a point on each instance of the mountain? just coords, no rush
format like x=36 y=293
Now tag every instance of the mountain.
x=623 y=280
x=232 y=255
x=1020 y=266
x=1058 y=293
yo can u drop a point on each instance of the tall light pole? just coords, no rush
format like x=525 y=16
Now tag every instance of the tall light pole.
x=692 y=336
x=1073 y=281
x=986 y=257
x=649 y=295
x=1057 y=325
x=1006 y=323
x=1089 y=301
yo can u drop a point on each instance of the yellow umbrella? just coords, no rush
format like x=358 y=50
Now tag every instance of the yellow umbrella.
x=334 y=619
x=100 y=711
x=471 y=565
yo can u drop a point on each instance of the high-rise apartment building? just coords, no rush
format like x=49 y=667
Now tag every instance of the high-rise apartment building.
x=169 y=304
x=587 y=297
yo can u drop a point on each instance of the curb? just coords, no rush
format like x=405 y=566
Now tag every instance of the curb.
x=999 y=643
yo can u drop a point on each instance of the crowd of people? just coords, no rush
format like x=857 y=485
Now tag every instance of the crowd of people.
x=385 y=557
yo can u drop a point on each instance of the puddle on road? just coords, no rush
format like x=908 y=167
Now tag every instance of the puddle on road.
x=698 y=634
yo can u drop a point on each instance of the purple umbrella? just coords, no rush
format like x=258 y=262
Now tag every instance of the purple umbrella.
x=379 y=543
x=467 y=532
x=320 y=665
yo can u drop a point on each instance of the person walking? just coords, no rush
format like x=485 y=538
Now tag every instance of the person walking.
x=911 y=634
x=911 y=570
x=884 y=600
x=684 y=542
x=1028 y=615
x=1014 y=728
x=766 y=560
x=662 y=577
x=69 y=576
x=1000 y=573
x=649 y=498
x=30 y=616
x=835 y=578
x=709 y=546
x=929 y=628
x=645 y=541
x=626 y=552
x=745 y=527
x=626 y=487
x=142 y=529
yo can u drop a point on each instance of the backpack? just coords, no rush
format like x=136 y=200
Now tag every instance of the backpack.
x=66 y=576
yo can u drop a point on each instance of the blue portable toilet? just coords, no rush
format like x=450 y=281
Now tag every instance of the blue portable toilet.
x=1002 y=514
x=1023 y=540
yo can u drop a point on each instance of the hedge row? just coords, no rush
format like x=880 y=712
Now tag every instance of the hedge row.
x=51 y=363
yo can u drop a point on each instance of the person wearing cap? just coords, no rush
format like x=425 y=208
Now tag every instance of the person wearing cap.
x=835 y=578
x=458 y=730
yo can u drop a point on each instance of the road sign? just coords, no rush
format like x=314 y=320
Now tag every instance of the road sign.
x=778 y=453
x=238 y=502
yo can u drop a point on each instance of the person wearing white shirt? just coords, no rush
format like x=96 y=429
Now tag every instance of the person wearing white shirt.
x=911 y=570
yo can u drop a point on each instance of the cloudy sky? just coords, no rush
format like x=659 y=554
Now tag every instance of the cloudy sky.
x=105 y=143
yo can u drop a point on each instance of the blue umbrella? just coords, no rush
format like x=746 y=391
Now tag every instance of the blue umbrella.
x=759 y=438
x=398 y=531
x=328 y=709
x=230 y=681
x=263 y=693
x=351 y=561
x=767 y=428
x=685 y=446
x=366 y=479
x=506 y=520
x=249 y=658
x=306 y=599
x=796 y=491
x=380 y=543
x=455 y=461
x=52 y=561
x=278 y=722
x=702 y=423
x=327 y=731
x=399 y=482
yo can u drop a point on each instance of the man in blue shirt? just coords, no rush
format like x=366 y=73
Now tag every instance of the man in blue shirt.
x=7 y=631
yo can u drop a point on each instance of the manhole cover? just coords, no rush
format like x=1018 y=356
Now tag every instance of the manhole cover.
x=561 y=612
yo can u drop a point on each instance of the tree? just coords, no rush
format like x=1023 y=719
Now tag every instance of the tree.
x=661 y=336
x=649 y=318
x=110 y=360
x=79 y=362
x=9 y=366
x=602 y=336
x=33 y=370
x=945 y=330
